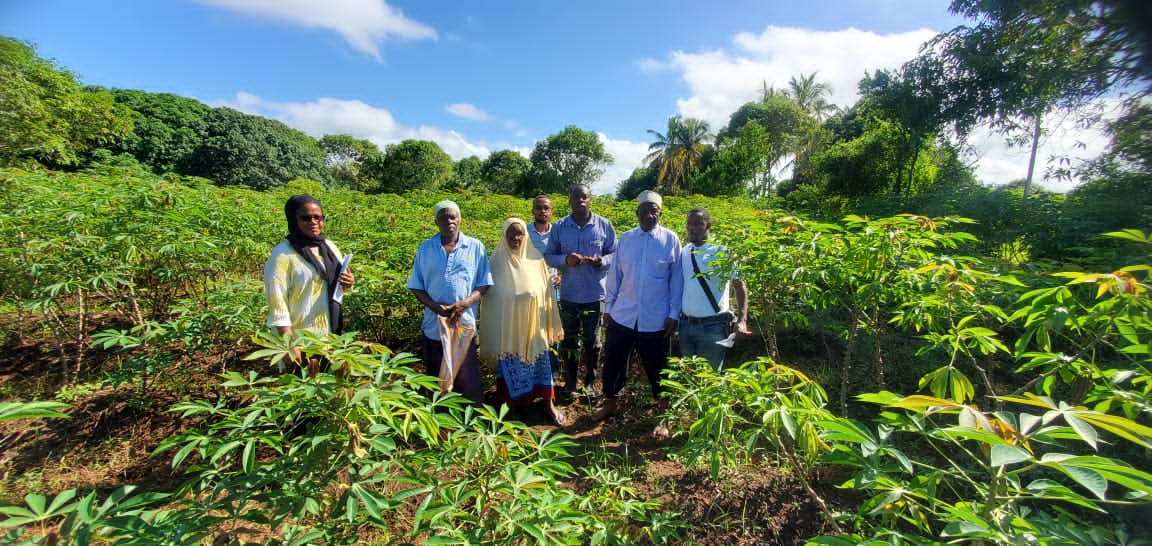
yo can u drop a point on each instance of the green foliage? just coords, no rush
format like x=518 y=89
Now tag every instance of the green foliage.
x=467 y=174
x=31 y=410
x=252 y=151
x=641 y=179
x=906 y=99
x=47 y=116
x=784 y=121
x=866 y=165
x=414 y=165
x=341 y=450
x=1058 y=355
x=350 y=161
x=572 y=156
x=166 y=129
x=742 y=412
x=986 y=476
x=744 y=165
x=1130 y=136
x=676 y=155
x=1022 y=58
x=505 y=172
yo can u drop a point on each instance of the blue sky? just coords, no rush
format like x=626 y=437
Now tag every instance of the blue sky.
x=477 y=77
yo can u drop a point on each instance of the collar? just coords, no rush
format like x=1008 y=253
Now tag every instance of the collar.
x=462 y=241
x=592 y=219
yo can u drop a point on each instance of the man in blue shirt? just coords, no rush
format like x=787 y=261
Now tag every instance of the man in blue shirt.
x=449 y=275
x=643 y=303
x=582 y=245
x=539 y=233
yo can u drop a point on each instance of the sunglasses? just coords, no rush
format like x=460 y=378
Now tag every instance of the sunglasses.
x=311 y=217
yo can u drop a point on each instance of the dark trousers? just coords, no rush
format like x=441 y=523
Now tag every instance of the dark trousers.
x=619 y=341
x=467 y=379
x=581 y=344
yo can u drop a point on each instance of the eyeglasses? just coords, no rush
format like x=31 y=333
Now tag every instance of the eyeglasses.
x=311 y=217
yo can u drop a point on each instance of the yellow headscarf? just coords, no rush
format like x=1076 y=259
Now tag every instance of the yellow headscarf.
x=519 y=315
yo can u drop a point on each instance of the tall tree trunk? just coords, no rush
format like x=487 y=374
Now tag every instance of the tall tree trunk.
x=1032 y=156
x=912 y=169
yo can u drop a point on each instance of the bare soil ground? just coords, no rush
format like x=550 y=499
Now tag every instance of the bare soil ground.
x=112 y=432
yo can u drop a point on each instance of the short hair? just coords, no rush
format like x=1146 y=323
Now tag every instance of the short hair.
x=541 y=196
x=702 y=212
x=580 y=186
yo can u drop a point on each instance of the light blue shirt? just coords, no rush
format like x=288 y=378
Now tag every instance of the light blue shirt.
x=540 y=241
x=584 y=283
x=449 y=277
x=645 y=285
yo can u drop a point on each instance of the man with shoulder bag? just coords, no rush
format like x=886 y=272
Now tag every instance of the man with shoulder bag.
x=708 y=325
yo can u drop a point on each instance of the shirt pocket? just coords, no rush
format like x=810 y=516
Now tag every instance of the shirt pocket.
x=659 y=268
x=459 y=270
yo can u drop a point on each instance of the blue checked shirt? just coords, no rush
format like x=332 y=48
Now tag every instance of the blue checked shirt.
x=584 y=283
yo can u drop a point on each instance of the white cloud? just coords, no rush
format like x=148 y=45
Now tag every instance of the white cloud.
x=627 y=154
x=1065 y=143
x=467 y=111
x=364 y=24
x=326 y=116
x=719 y=81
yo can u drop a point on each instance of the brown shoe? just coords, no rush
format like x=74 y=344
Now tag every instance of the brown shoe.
x=611 y=408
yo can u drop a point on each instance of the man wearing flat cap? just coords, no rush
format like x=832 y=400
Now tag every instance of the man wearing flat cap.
x=449 y=275
x=643 y=302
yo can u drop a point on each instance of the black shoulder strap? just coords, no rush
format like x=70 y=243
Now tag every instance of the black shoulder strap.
x=704 y=284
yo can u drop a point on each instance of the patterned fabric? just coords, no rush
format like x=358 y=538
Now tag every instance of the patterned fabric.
x=297 y=295
x=525 y=382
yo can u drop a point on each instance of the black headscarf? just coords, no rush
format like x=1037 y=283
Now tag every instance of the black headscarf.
x=329 y=270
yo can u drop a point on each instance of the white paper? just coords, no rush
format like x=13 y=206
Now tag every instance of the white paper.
x=728 y=341
x=338 y=294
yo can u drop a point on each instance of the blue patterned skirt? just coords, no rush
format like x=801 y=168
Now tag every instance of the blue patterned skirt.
x=519 y=383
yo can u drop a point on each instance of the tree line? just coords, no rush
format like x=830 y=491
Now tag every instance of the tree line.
x=53 y=120
x=1013 y=67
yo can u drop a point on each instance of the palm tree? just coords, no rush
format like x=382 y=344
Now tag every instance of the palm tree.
x=810 y=95
x=676 y=154
x=770 y=91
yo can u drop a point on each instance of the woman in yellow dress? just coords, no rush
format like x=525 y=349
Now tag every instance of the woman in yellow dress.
x=519 y=321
